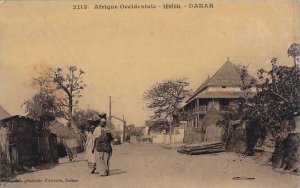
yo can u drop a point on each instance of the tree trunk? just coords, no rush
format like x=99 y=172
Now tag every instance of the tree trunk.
x=70 y=111
x=287 y=153
x=171 y=127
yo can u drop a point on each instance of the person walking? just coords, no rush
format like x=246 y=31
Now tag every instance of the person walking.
x=102 y=146
x=69 y=151
x=88 y=147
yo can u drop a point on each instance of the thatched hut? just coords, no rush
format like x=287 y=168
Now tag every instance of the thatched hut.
x=64 y=133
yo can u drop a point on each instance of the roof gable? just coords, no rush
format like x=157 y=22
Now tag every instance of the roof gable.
x=3 y=113
x=61 y=131
x=227 y=75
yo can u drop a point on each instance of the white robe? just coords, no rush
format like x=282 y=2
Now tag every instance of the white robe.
x=89 y=156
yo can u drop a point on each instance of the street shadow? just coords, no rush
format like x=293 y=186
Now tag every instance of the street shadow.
x=75 y=161
x=46 y=166
x=114 y=172
x=27 y=170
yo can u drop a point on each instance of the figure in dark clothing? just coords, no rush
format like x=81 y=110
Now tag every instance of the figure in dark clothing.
x=102 y=147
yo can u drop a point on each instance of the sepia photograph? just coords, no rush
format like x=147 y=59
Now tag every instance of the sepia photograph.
x=150 y=94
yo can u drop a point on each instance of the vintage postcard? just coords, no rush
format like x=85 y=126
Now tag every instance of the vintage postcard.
x=149 y=93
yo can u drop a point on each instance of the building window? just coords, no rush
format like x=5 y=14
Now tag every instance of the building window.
x=223 y=86
x=203 y=105
x=224 y=102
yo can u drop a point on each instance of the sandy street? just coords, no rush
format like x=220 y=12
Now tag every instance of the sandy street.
x=150 y=166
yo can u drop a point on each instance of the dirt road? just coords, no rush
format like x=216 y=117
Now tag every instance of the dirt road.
x=150 y=166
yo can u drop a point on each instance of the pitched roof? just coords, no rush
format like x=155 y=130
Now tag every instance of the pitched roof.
x=18 y=117
x=61 y=131
x=3 y=113
x=3 y=122
x=227 y=75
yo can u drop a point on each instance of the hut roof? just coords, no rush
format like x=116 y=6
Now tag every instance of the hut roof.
x=62 y=131
x=227 y=75
x=16 y=117
x=3 y=113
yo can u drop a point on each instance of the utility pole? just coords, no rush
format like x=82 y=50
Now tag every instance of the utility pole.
x=170 y=132
x=124 y=129
x=124 y=124
x=122 y=120
x=109 y=108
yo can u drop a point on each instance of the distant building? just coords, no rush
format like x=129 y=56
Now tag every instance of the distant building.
x=209 y=102
x=130 y=127
x=118 y=130
x=157 y=131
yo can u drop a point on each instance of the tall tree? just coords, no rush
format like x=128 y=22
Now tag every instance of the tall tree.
x=165 y=98
x=71 y=83
x=59 y=89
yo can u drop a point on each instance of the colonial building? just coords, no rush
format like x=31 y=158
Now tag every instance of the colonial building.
x=209 y=102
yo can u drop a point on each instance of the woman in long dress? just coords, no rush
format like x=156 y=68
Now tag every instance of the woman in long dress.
x=89 y=146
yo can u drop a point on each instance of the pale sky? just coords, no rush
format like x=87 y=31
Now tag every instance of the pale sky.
x=124 y=52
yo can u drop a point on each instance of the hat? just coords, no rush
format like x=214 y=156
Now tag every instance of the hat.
x=102 y=115
x=94 y=118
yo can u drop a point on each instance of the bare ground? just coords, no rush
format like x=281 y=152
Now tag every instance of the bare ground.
x=151 y=166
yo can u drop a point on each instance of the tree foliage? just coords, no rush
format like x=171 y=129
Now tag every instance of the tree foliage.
x=81 y=116
x=276 y=99
x=294 y=51
x=135 y=131
x=159 y=126
x=270 y=109
x=59 y=91
x=165 y=98
x=71 y=83
x=43 y=106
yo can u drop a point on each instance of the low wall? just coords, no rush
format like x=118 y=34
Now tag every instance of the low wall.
x=161 y=138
